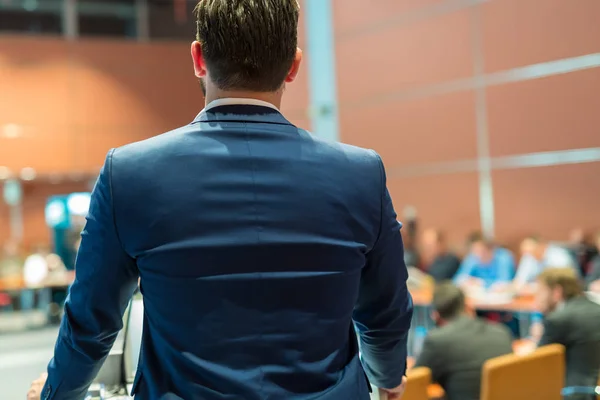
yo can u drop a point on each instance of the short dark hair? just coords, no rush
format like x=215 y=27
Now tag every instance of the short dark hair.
x=478 y=237
x=448 y=300
x=535 y=238
x=440 y=236
x=565 y=278
x=248 y=44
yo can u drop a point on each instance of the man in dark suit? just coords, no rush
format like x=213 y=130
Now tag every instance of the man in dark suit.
x=259 y=246
x=573 y=321
x=456 y=351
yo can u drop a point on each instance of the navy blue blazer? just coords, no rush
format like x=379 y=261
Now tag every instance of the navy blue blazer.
x=262 y=251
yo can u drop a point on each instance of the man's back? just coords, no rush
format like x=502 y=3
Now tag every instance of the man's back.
x=457 y=351
x=577 y=326
x=252 y=240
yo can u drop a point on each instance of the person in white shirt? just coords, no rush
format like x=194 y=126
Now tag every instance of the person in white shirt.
x=537 y=255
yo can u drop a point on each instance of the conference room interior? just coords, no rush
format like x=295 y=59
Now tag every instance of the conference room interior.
x=484 y=113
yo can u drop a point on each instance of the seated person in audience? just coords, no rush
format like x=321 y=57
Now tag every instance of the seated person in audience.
x=572 y=320
x=592 y=280
x=486 y=267
x=536 y=255
x=456 y=351
x=438 y=262
x=582 y=249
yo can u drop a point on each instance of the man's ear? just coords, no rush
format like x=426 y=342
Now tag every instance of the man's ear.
x=198 y=60
x=295 y=68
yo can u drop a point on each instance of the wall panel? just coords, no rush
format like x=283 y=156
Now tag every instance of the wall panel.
x=405 y=56
x=555 y=113
x=436 y=129
x=446 y=201
x=523 y=32
x=548 y=200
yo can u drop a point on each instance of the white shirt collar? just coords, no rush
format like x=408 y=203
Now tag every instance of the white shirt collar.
x=238 y=101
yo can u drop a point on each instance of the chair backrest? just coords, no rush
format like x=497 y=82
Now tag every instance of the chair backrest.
x=417 y=382
x=538 y=375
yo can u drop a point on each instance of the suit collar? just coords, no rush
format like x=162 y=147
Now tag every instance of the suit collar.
x=241 y=110
x=238 y=101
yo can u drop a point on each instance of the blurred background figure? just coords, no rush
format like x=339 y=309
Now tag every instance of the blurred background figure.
x=538 y=254
x=592 y=279
x=35 y=270
x=11 y=265
x=488 y=266
x=583 y=249
x=457 y=349
x=572 y=320
x=438 y=261
x=11 y=276
x=412 y=258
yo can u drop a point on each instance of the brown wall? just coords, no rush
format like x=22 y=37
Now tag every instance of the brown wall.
x=76 y=100
x=396 y=60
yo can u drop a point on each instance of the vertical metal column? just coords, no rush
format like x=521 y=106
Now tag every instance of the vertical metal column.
x=70 y=22
x=142 y=20
x=321 y=68
x=486 y=192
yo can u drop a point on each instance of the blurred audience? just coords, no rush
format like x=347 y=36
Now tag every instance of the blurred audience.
x=412 y=258
x=572 y=320
x=456 y=351
x=592 y=280
x=536 y=255
x=487 y=266
x=583 y=249
x=437 y=260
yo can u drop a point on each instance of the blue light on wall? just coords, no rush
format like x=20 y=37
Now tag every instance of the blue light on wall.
x=57 y=215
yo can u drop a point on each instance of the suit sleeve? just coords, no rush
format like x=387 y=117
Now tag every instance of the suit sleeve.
x=552 y=333
x=105 y=280
x=384 y=308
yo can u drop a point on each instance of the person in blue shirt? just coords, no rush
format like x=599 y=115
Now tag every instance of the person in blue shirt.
x=487 y=266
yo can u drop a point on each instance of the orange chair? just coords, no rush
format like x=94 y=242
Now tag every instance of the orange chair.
x=417 y=382
x=538 y=375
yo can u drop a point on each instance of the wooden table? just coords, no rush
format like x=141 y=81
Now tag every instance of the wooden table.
x=424 y=297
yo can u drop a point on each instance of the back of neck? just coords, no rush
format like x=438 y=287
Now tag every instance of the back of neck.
x=268 y=97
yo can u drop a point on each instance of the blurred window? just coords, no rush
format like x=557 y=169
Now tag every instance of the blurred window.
x=172 y=19
x=167 y=19
x=31 y=16
x=114 y=18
